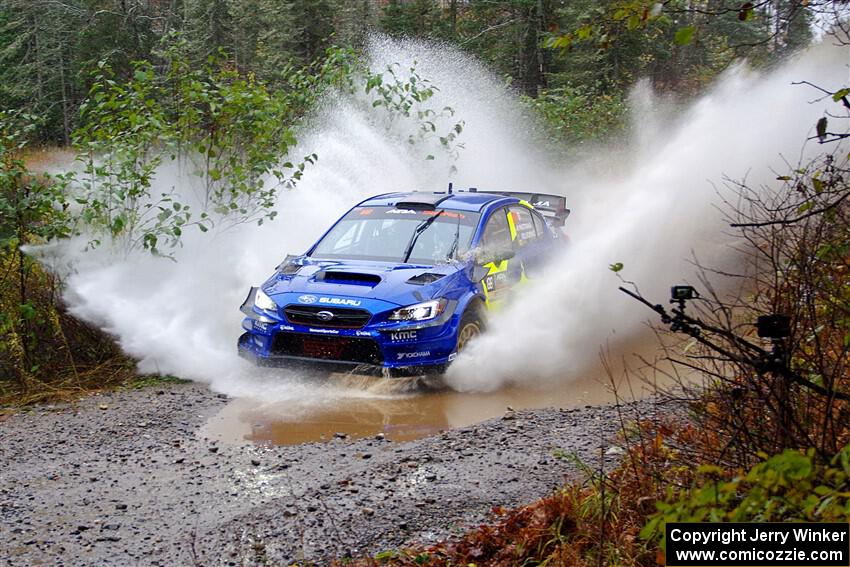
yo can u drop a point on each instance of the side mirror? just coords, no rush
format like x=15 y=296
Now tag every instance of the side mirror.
x=479 y=272
x=496 y=256
x=286 y=260
x=248 y=304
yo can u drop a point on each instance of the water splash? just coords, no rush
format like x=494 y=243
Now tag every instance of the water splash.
x=654 y=209
x=646 y=207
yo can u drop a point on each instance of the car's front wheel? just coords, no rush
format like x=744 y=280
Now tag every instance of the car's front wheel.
x=470 y=328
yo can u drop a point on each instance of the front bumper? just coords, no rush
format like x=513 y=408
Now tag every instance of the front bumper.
x=322 y=364
x=414 y=346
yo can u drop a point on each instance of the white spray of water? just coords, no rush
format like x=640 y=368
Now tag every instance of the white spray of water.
x=652 y=212
x=182 y=317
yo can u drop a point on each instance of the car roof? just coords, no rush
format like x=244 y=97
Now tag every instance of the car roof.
x=460 y=200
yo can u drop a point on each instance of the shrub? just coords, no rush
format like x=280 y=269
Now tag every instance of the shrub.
x=791 y=486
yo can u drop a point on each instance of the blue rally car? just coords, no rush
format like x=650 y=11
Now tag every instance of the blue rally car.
x=402 y=281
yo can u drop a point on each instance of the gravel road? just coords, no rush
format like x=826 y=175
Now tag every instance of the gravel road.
x=126 y=479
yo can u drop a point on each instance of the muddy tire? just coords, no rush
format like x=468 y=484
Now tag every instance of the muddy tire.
x=470 y=327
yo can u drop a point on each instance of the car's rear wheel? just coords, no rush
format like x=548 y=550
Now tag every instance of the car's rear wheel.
x=470 y=328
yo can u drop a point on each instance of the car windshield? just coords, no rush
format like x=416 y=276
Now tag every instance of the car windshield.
x=399 y=235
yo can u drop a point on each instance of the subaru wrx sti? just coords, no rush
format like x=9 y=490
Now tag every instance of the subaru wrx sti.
x=402 y=281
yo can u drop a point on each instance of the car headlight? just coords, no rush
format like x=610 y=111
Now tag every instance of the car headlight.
x=263 y=301
x=420 y=311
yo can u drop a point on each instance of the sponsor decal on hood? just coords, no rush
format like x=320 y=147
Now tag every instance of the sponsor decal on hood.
x=338 y=301
x=311 y=299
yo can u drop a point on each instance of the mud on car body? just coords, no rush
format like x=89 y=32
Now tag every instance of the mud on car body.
x=402 y=281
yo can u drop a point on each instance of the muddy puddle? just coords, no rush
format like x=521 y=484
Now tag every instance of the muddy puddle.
x=398 y=416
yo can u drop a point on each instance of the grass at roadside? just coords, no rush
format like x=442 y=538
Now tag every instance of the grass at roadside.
x=112 y=376
x=618 y=519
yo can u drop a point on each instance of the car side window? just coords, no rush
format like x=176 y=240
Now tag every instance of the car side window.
x=497 y=235
x=524 y=225
x=539 y=224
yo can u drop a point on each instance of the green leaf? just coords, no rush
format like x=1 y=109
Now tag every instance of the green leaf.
x=709 y=469
x=620 y=14
x=27 y=311
x=616 y=267
x=707 y=495
x=685 y=35
x=840 y=94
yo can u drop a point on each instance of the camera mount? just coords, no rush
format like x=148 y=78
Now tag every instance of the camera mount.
x=775 y=327
x=681 y=294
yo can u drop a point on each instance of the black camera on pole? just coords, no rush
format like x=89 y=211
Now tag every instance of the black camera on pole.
x=774 y=326
x=683 y=293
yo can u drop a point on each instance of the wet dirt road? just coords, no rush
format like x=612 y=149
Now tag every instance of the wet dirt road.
x=134 y=478
x=398 y=416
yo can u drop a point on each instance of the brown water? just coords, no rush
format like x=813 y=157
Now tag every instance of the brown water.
x=399 y=417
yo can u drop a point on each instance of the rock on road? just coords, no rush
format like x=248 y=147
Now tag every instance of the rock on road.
x=126 y=479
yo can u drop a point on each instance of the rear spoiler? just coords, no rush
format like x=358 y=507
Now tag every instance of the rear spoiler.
x=554 y=207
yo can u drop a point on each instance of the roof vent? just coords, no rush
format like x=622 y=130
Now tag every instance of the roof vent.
x=422 y=201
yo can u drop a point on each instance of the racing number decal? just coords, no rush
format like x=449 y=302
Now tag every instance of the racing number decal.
x=496 y=284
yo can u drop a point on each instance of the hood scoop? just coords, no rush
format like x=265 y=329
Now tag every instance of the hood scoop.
x=352 y=278
x=425 y=278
